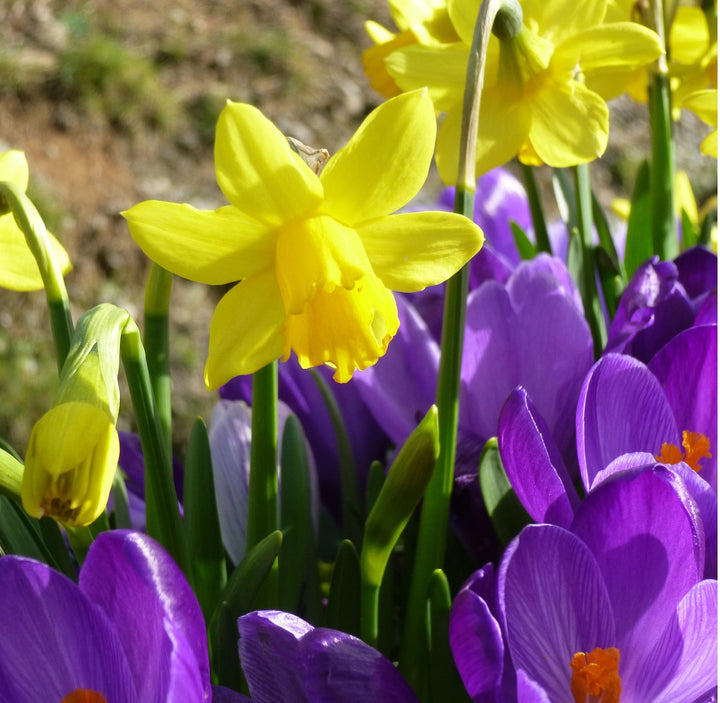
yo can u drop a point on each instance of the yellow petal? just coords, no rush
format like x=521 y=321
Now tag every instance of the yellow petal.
x=348 y=329
x=14 y=168
x=246 y=329
x=257 y=170
x=439 y=68
x=18 y=268
x=569 y=124
x=553 y=19
x=463 y=14
x=413 y=250
x=709 y=145
x=317 y=254
x=385 y=163
x=704 y=103
x=212 y=247
x=374 y=63
x=689 y=36
x=684 y=197
x=70 y=465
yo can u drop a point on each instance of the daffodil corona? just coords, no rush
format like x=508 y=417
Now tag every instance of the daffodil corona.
x=316 y=256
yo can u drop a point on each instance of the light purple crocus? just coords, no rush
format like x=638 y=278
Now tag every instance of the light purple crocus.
x=286 y=659
x=130 y=630
x=623 y=579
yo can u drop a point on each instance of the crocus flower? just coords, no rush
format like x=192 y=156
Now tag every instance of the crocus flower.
x=286 y=659
x=131 y=630
x=317 y=255
x=535 y=101
x=611 y=608
x=18 y=268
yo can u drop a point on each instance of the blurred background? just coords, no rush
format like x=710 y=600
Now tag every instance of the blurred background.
x=115 y=101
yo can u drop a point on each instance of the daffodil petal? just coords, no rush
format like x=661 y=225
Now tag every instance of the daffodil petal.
x=463 y=14
x=257 y=170
x=620 y=45
x=552 y=19
x=373 y=60
x=704 y=104
x=212 y=247
x=385 y=163
x=18 y=268
x=246 y=329
x=709 y=145
x=441 y=68
x=689 y=35
x=413 y=250
x=569 y=125
x=14 y=168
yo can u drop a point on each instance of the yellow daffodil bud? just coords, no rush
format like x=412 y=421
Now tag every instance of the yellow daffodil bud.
x=74 y=448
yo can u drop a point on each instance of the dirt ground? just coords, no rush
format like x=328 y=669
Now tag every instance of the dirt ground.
x=140 y=125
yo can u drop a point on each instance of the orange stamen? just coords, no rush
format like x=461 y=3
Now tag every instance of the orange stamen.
x=84 y=695
x=696 y=446
x=595 y=676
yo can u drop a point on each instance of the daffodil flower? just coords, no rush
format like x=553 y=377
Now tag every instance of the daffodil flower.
x=316 y=256
x=704 y=103
x=535 y=103
x=18 y=268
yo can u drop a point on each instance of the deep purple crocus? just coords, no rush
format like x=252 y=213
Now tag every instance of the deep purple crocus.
x=131 y=630
x=611 y=608
x=286 y=659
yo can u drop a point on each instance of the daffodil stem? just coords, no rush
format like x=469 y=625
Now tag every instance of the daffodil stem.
x=263 y=489
x=587 y=282
x=30 y=223
x=662 y=172
x=542 y=240
x=157 y=343
x=432 y=536
x=161 y=503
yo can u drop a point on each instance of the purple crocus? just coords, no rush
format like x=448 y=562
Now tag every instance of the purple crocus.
x=613 y=604
x=286 y=659
x=131 y=630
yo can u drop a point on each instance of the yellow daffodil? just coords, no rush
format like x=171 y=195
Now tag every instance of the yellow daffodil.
x=535 y=103
x=704 y=103
x=317 y=257
x=419 y=22
x=74 y=448
x=692 y=55
x=18 y=268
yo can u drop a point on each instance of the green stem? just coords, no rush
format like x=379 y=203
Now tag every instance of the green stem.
x=80 y=539
x=542 y=240
x=432 y=536
x=161 y=503
x=587 y=283
x=263 y=489
x=370 y=602
x=29 y=221
x=157 y=343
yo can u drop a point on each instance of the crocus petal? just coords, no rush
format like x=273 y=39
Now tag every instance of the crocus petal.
x=552 y=612
x=414 y=250
x=257 y=170
x=569 y=125
x=647 y=539
x=212 y=247
x=440 y=68
x=384 y=164
x=400 y=388
x=246 y=329
x=686 y=368
x=269 y=654
x=697 y=271
x=53 y=639
x=685 y=657
x=622 y=409
x=533 y=464
x=529 y=691
x=477 y=646
x=339 y=668
x=155 y=612
x=220 y=694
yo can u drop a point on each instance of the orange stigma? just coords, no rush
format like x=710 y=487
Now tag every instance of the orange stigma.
x=84 y=695
x=595 y=676
x=696 y=446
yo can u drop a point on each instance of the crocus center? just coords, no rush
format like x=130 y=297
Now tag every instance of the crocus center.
x=696 y=446
x=84 y=695
x=595 y=676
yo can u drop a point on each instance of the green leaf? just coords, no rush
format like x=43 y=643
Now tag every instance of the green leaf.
x=610 y=280
x=20 y=534
x=639 y=240
x=706 y=229
x=504 y=508
x=343 y=608
x=689 y=231
x=605 y=237
x=524 y=246
x=202 y=525
x=565 y=198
